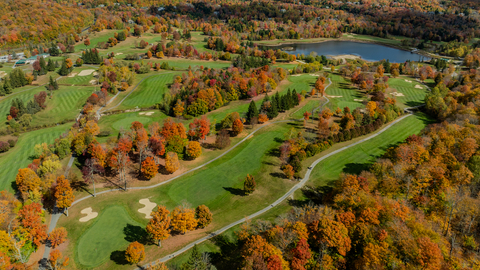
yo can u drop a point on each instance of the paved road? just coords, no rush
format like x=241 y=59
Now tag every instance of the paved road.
x=281 y=199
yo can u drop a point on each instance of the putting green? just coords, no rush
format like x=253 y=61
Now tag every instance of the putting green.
x=127 y=122
x=108 y=234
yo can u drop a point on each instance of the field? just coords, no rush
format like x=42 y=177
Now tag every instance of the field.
x=343 y=94
x=412 y=96
x=209 y=186
x=20 y=156
x=360 y=157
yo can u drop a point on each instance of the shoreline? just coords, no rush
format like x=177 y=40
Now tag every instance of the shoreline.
x=399 y=47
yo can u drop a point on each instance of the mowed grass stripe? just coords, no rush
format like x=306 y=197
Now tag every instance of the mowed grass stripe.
x=20 y=156
x=150 y=91
x=360 y=157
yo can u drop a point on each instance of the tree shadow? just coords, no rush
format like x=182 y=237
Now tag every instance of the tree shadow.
x=274 y=152
x=356 y=168
x=118 y=256
x=278 y=140
x=235 y=191
x=210 y=146
x=135 y=233
x=229 y=256
x=278 y=174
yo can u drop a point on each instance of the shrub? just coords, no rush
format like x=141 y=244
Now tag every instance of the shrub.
x=12 y=143
x=4 y=146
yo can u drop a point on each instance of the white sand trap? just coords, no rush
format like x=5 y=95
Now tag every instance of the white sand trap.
x=93 y=82
x=95 y=73
x=398 y=94
x=358 y=100
x=142 y=113
x=86 y=72
x=147 y=210
x=418 y=86
x=408 y=81
x=72 y=75
x=334 y=96
x=314 y=75
x=119 y=53
x=89 y=214
x=296 y=75
x=149 y=113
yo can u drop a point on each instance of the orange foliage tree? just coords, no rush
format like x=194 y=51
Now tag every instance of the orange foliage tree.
x=57 y=236
x=64 y=193
x=183 y=220
x=27 y=180
x=171 y=162
x=159 y=226
x=237 y=127
x=135 y=253
x=149 y=168
x=194 y=150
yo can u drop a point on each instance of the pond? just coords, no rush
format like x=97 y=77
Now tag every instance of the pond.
x=367 y=51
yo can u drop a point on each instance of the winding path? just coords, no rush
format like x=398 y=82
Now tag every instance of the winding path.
x=281 y=199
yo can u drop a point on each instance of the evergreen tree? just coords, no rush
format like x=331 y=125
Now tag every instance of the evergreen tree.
x=43 y=66
x=7 y=87
x=57 y=64
x=18 y=103
x=63 y=70
x=52 y=85
x=195 y=261
x=252 y=111
x=290 y=99
x=278 y=100
x=2 y=91
x=273 y=110
x=50 y=65
x=295 y=101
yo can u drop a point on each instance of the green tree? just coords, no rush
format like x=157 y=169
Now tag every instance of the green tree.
x=63 y=70
x=195 y=261
x=252 y=111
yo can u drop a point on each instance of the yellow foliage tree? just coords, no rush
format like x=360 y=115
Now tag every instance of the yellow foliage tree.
x=183 y=219
x=171 y=162
x=159 y=225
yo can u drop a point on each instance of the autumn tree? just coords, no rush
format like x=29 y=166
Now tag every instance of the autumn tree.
x=171 y=162
x=92 y=128
x=159 y=226
x=288 y=171
x=157 y=145
x=301 y=254
x=237 y=127
x=56 y=262
x=149 y=168
x=141 y=144
x=27 y=181
x=183 y=219
x=262 y=118
x=323 y=129
x=193 y=149
x=64 y=193
x=249 y=184
x=57 y=237
x=223 y=139
x=179 y=108
x=30 y=217
x=203 y=216
x=135 y=253
x=86 y=42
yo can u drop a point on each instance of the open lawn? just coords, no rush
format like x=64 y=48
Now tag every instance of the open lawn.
x=412 y=96
x=74 y=79
x=211 y=186
x=150 y=91
x=343 y=94
x=112 y=229
x=6 y=102
x=360 y=157
x=20 y=156
x=65 y=104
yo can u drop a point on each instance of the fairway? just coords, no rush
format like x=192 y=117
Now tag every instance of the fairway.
x=360 y=157
x=6 y=102
x=65 y=104
x=108 y=234
x=412 y=96
x=344 y=93
x=150 y=91
x=20 y=156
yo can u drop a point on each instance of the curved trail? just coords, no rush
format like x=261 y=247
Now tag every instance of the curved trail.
x=281 y=199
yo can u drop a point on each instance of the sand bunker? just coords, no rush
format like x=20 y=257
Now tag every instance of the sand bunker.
x=72 y=75
x=334 y=96
x=296 y=75
x=408 y=81
x=397 y=94
x=93 y=82
x=358 y=100
x=418 y=86
x=142 y=113
x=89 y=214
x=147 y=210
x=149 y=113
x=86 y=72
x=95 y=73
x=119 y=53
x=314 y=75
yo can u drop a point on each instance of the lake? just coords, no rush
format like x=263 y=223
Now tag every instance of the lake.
x=367 y=51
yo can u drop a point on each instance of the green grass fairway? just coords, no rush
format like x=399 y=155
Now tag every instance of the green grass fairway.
x=108 y=234
x=211 y=186
x=19 y=156
x=150 y=91
x=78 y=80
x=342 y=87
x=6 y=102
x=412 y=96
x=65 y=104
x=360 y=157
